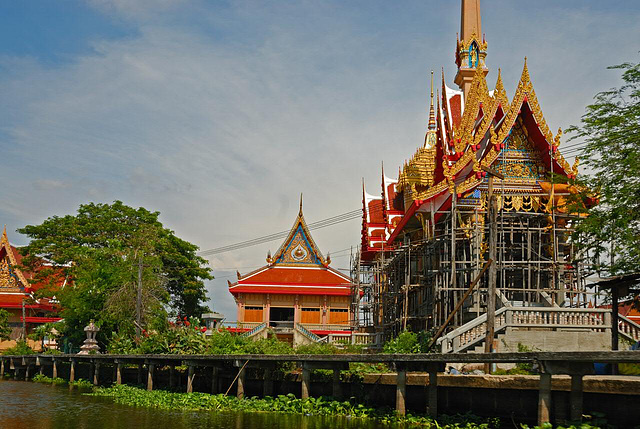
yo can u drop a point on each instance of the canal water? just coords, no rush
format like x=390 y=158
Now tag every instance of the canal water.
x=26 y=405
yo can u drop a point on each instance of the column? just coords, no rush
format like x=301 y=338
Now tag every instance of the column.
x=432 y=407
x=544 y=399
x=150 y=368
x=336 y=384
x=214 y=380
x=96 y=373
x=401 y=391
x=55 y=368
x=267 y=387
x=190 y=376
x=306 y=381
x=241 y=380
x=118 y=373
x=576 y=397
x=72 y=371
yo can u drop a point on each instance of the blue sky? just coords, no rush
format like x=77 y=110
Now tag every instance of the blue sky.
x=218 y=114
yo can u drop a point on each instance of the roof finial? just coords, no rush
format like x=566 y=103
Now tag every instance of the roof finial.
x=300 y=212
x=4 y=234
x=432 y=113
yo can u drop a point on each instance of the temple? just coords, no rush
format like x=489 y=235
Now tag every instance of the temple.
x=18 y=294
x=297 y=296
x=425 y=233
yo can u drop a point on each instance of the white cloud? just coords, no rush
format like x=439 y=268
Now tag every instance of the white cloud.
x=221 y=125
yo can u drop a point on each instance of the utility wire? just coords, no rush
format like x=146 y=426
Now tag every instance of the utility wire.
x=334 y=220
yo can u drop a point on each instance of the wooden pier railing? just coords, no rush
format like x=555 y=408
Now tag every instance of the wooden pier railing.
x=575 y=364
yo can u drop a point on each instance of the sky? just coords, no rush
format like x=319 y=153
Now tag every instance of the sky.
x=220 y=114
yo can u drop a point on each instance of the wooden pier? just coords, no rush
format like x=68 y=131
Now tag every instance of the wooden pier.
x=574 y=364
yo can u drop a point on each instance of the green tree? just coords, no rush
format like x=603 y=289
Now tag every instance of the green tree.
x=5 y=330
x=103 y=249
x=611 y=130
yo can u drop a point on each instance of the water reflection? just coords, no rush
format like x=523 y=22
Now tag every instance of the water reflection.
x=25 y=405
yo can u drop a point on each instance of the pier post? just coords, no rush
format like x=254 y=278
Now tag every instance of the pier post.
x=544 y=399
x=27 y=372
x=96 y=373
x=172 y=376
x=150 y=368
x=118 y=372
x=241 y=380
x=1 y=367
x=336 y=384
x=190 y=376
x=267 y=387
x=72 y=371
x=140 y=373
x=214 y=380
x=432 y=396
x=54 y=371
x=576 y=397
x=306 y=381
x=401 y=391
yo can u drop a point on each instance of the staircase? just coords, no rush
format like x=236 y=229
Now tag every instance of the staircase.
x=472 y=334
x=255 y=331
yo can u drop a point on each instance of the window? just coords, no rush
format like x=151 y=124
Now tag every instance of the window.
x=310 y=315
x=339 y=316
x=253 y=314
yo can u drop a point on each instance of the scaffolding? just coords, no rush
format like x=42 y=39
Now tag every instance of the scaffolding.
x=416 y=284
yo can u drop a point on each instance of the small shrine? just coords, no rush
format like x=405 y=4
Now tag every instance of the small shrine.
x=90 y=345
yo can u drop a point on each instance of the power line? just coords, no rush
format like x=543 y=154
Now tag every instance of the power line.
x=334 y=220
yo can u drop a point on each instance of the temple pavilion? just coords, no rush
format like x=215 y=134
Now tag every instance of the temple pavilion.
x=18 y=293
x=426 y=232
x=296 y=295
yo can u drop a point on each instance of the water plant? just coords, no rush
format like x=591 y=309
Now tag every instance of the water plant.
x=133 y=396
x=40 y=378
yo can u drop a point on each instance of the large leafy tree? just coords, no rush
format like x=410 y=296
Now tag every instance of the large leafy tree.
x=108 y=250
x=610 y=129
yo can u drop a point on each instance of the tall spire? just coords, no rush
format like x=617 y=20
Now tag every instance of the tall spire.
x=470 y=21
x=300 y=212
x=472 y=48
x=432 y=113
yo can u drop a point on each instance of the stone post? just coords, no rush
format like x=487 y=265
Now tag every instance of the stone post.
x=432 y=407
x=190 y=376
x=241 y=380
x=337 y=393
x=576 y=397
x=118 y=373
x=544 y=399
x=72 y=371
x=267 y=387
x=401 y=391
x=150 y=368
x=96 y=374
x=214 y=380
x=306 y=381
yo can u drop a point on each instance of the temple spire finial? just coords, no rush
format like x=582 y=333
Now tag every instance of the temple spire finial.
x=300 y=212
x=471 y=48
x=4 y=234
x=432 y=113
